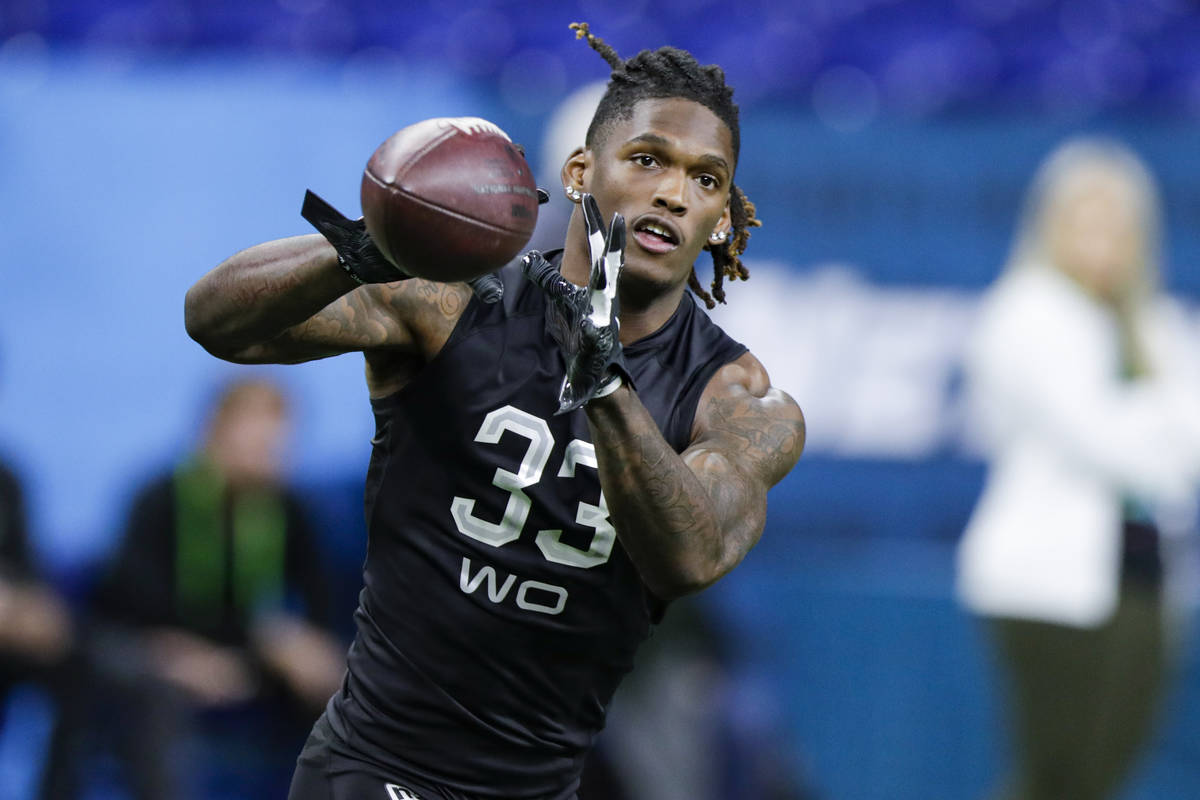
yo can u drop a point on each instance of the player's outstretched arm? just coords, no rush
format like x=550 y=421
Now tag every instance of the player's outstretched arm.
x=688 y=519
x=289 y=300
x=256 y=294
x=310 y=297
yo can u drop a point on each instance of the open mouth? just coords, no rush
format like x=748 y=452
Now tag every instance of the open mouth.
x=655 y=237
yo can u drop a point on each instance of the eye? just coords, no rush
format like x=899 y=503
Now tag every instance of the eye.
x=645 y=160
x=708 y=181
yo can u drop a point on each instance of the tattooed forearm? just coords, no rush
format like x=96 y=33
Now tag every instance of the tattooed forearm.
x=670 y=494
x=687 y=519
x=350 y=320
x=675 y=521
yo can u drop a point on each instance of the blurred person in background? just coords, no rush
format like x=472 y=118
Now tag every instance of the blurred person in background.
x=685 y=727
x=1089 y=402
x=37 y=642
x=216 y=600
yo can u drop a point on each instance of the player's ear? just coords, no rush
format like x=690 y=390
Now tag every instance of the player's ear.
x=573 y=172
x=722 y=230
x=725 y=224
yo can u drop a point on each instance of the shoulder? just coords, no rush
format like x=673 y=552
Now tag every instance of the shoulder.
x=429 y=309
x=428 y=312
x=434 y=314
x=742 y=411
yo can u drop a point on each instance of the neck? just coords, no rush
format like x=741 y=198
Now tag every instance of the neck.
x=645 y=307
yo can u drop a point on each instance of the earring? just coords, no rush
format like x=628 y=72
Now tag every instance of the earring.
x=716 y=237
x=573 y=194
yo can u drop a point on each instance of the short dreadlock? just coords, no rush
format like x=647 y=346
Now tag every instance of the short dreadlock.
x=671 y=72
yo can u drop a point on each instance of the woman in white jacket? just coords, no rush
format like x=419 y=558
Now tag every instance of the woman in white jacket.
x=1081 y=382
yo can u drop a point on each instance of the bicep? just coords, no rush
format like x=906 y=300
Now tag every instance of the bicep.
x=758 y=428
x=747 y=436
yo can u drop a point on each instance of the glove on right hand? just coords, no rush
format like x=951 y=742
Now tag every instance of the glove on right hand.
x=584 y=320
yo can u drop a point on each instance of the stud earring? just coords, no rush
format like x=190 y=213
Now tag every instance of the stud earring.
x=716 y=237
x=573 y=194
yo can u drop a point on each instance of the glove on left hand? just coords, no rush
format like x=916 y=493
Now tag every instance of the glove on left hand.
x=359 y=256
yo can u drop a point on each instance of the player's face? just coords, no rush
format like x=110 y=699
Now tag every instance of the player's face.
x=668 y=169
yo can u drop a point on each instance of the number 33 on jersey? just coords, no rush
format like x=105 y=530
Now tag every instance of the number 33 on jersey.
x=531 y=595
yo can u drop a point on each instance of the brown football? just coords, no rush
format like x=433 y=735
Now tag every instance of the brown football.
x=449 y=199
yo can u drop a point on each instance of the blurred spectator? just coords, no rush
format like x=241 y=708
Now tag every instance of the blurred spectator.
x=197 y=614
x=678 y=730
x=37 y=640
x=1090 y=406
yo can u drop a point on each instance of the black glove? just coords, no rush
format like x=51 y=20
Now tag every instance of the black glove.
x=362 y=260
x=584 y=320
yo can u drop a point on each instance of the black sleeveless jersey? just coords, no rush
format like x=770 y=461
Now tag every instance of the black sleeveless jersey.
x=499 y=611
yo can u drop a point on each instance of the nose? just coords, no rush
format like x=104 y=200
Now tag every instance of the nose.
x=670 y=192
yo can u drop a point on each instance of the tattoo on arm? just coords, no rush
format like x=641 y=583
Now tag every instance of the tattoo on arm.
x=753 y=427
x=385 y=315
x=666 y=490
x=450 y=299
x=349 y=319
x=687 y=519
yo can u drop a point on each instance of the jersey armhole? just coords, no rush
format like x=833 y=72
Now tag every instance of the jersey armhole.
x=466 y=325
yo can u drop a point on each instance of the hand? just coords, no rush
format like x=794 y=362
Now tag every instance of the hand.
x=308 y=659
x=33 y=621
x=584 y=320
x=359 y=256
x=212 y=674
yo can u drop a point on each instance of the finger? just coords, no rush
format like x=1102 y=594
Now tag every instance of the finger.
x=536 y=268
x=603 y=282
x=544 y=274
x=595 y=228
x=614 y=256
x=487 y=288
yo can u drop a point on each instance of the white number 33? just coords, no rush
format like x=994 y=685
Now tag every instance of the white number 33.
x=516 y=511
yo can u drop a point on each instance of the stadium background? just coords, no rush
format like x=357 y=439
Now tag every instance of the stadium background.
x=885 y=143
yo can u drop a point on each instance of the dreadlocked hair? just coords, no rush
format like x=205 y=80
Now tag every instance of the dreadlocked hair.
x=671 y=72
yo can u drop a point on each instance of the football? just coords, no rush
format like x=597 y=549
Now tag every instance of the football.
x=449 y=199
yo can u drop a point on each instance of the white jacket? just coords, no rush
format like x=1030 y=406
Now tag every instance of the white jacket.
x=1067 y=440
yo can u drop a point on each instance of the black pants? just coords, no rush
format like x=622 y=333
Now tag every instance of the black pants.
x=324 y=773
x=1083 y=701
x=342 y=779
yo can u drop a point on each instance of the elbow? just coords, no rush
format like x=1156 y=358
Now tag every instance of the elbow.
x=690 y=576
x=195 y=320
x=672 y=588
x=201 y=325
x=680 y=583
